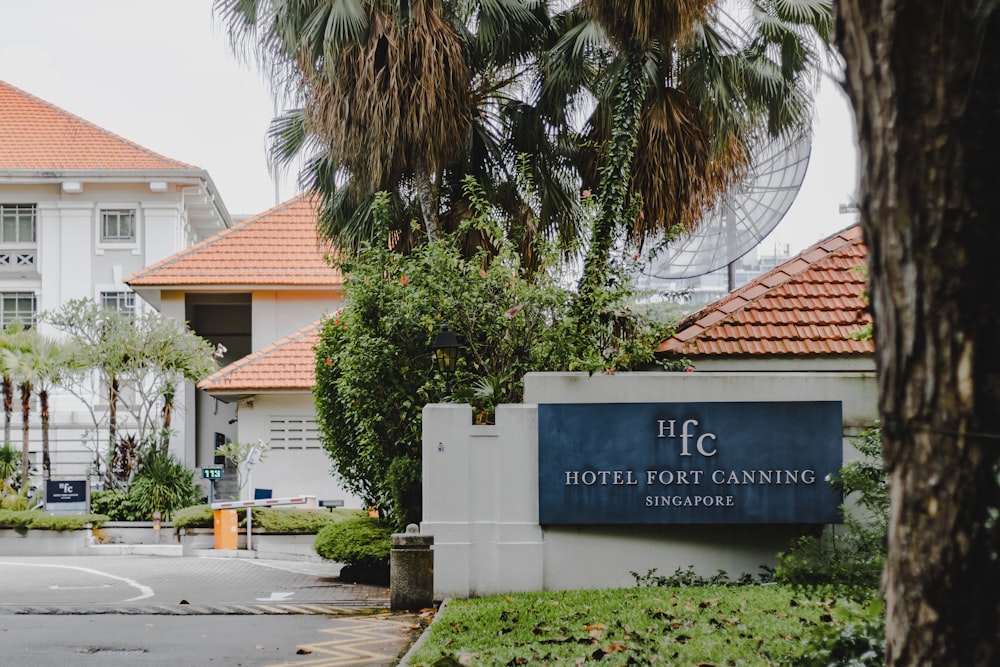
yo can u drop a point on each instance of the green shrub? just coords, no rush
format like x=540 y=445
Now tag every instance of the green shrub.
x=22 y=521
x=358 y=541
x=117 y=504
x=295 y=521
x=285 y=520
x=373 y=362
x=402 y=482
x=195 y=516
x=689 y=578
x=847 y=562
x=855 y=637
x=14 y=500
x=162 y=485
x=10 y=466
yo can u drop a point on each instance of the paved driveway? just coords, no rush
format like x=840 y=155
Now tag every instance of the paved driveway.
x=152 y=584
x=169 y=611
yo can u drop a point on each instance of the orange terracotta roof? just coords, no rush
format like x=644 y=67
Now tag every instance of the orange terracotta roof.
x=279 y=247
x=285 y=365
x=810 y=305
x=36 y=135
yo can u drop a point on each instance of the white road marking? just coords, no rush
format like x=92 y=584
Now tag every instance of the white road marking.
x=144 y=591
x=276 y=597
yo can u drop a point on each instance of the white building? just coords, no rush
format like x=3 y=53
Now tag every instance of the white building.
x=81 y=209
x=259 y=289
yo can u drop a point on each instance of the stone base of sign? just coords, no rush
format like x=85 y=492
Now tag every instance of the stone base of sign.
x=480 y=498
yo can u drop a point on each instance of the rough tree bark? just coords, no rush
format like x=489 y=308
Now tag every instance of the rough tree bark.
x=924 y=81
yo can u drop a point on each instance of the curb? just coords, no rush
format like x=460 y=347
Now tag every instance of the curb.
x=405 y=660
x=134 y=550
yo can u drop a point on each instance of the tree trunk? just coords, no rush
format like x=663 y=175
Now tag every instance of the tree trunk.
x=428 y=200
x=923 y=78
x=8 y=407
x=112 y=414
x=168 y=411
x=43 y=407
x=25 y=433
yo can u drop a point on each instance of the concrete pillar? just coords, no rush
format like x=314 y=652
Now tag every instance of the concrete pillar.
x=411 y=570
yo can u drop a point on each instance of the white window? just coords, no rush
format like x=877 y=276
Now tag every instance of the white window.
x=294 y=433
x=18 y=307
x=123 y=302
x=118 y=225
x=17 y=223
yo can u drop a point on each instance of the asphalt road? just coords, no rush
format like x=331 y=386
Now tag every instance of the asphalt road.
x=147 y=610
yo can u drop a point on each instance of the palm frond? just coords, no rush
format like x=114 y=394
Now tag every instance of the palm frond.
x=641 y=24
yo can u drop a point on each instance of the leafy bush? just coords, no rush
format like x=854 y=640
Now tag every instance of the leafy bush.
x=195 y=516
x=14 y=500
x=22 y=521
x=374 y=369
x=10 y=461
x=162 y=485
x=296 y=521
x=846 y=562
x=855 y=637
x=361 y=541
x=117 y=504
x=688 y=578
x=282 y=520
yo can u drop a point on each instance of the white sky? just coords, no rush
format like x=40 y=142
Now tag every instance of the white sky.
x=162 y=75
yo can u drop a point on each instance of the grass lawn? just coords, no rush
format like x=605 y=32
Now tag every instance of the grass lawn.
x=700 y=626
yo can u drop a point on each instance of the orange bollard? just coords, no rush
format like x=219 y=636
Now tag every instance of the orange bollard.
x=227 y=529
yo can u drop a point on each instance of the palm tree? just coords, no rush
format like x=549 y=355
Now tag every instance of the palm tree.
x=8 y=468
x=9 y=340
x=409 y=98
x=45 y=362
x=680 y=103
x=19 y=361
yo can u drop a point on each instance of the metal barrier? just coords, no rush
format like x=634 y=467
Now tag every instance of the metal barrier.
x=226 y=527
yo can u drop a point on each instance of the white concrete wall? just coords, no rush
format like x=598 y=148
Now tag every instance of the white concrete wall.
x=277 y=314
x=70 y=265
x=481 y=487
x=289 y=472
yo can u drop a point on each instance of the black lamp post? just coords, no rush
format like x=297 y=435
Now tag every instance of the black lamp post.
x=445 y=349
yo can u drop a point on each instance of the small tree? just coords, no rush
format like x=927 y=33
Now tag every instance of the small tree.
x=243 y=455
x=148 y=355
x=374 y=370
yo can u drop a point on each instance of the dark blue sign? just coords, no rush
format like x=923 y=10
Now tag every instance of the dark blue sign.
x=66 y=491
x=689 y=463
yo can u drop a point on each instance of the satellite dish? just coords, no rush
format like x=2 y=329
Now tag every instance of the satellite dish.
x=743 y=216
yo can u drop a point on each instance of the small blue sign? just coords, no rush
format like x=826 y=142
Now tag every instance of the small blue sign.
x=689 y=463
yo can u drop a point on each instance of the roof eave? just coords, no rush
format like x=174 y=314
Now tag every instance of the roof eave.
x=179 y=176
x=141 y=287
x=230 y=395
